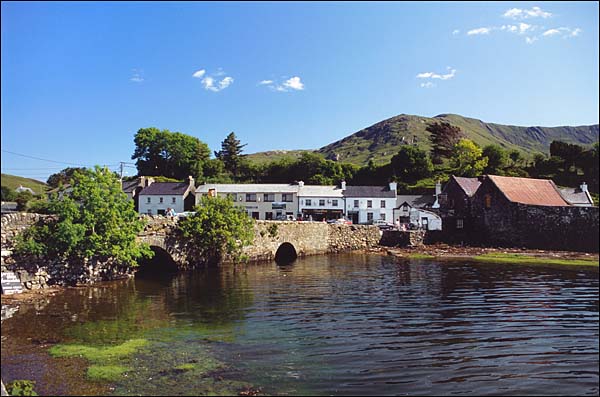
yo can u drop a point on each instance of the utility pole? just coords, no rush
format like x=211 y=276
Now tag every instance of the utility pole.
x=122 y=164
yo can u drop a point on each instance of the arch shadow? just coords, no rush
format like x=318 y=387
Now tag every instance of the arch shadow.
x=159 y=265
x=286 y=254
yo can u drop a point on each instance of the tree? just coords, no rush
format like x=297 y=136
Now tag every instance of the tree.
x=516 y=157
x=570 y=153
x=216 y=229
x=497 y=159
x=8 y=194
x=62 y=177
x=467 y=158
x=96 y=220
x=171 y=154
x=231 y=153
x=443 y=138
x=411 y=164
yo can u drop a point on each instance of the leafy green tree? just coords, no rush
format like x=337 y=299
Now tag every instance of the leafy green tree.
x=62 y=177
x=95 y=220
x=516 y=157
x=411 y=164
x=216 y=229
x=170 y=154
x=497 y=159
x=22 y=199
x=444 y=137
x=231 y=153
x=8 y=194
x=570 y=153
x=467 y=158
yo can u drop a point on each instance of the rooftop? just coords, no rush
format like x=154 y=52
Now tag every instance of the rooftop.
x=468 y=185
x=165 y=188
x=248 y=188
x=320 y=191
x=416 y=201
x=369 y=191
x=575 y=196
x=529 y=191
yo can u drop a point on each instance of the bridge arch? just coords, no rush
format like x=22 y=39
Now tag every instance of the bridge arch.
x=286 y=253
x=161 y=263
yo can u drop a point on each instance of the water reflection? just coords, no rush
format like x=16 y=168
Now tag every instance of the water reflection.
x=347 y=324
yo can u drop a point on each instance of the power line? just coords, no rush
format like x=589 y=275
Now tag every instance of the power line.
x=39 y=158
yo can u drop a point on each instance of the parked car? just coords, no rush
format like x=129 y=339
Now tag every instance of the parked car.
x=340 y=221
x=285 y=218
x=383 y=225
x=185 y=213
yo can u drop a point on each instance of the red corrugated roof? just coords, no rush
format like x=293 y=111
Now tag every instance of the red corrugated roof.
x=529 y=191
x=469 y=185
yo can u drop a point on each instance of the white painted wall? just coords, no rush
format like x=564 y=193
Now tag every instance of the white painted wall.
x=376 y=208
x=154 y=205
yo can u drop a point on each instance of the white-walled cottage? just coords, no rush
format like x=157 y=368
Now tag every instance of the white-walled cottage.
x=157 y=197
x=365 y=204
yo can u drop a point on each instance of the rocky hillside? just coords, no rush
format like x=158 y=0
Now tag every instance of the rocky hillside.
x=380 y=141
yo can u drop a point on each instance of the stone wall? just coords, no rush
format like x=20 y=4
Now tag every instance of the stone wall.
x=397 y=238
x=534 y=226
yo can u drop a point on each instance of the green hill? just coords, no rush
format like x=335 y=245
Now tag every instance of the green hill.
x=13 y=182
x=381 y=141
x=275 y=155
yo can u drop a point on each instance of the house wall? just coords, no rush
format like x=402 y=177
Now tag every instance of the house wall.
x=376 y=208
x=260 y=205
x=155 y=204
x=506 y=223
x=314 y=200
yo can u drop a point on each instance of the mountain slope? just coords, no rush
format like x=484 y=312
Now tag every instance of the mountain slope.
x=13 y=182
x=381 y=141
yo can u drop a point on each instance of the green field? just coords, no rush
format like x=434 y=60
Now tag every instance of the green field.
x=13 y=182
x=275 y=155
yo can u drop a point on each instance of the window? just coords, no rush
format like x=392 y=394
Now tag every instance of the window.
x=355 y=203
x=268 y=215
x=232 y=196
x=161 y=212
x=382 y=203
x=425 y=223
x=160 y=200
x=334 y=203
x=322 y=203
x=287 y=197
x=369 y=216
x=308 y=202
x=488 y=201
x=149 y=211
x=173 y=200
x=382 y=217
x=269 y=197
x=250 y=196
x=369 y=203
x=459 y=224
x=255 y=214
x=148 y=200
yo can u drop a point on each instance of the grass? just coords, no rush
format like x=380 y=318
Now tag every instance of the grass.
x=532 y=260
x=420 y=256
x=13 y=182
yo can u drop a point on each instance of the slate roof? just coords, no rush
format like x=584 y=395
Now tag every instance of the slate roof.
x=369 y=191
x=416 y=201
x=576 y=196
x=248 y=188
x=468 y=185
x=129 y=187
x=165 y=188
x=529 y=191
x=320 y=191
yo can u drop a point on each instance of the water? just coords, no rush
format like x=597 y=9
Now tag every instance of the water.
x=326 y=325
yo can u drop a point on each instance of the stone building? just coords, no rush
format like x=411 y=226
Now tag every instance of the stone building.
x=455 y=207
x=509 y=211
x=579 y=196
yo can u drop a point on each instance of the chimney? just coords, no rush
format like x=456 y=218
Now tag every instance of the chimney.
x=343 y=185
x=583 y=187
x=393 y=186
x=301 y=183
x=438 y=188
x=149 y=181
x=191 y=182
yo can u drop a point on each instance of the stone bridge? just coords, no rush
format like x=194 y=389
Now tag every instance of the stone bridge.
x=273 y=240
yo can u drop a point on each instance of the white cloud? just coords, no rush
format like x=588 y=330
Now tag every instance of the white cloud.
x=455 y=31
x=575 y=32
x=137 y=76
x=210 y=83
x=523 y=28
x=518 y=13
x=530 y=40
x=428 y=84
x=431 y=75
x=478 y=31
x=509 y=28
x=551 y=32
x=293 y=83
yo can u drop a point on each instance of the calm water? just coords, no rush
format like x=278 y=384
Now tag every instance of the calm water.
x=327 y=325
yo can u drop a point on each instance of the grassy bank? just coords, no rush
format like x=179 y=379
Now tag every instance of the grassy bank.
x=507 y=258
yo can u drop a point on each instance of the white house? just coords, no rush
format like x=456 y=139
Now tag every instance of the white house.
x=157 y=197
x=365 y=204
x=320 y=202
x=262 y=201
x=21 y=188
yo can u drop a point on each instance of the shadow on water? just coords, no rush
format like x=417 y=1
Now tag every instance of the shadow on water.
x=286 y=254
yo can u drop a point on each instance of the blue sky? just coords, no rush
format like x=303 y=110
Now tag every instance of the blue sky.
x=79 y=79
